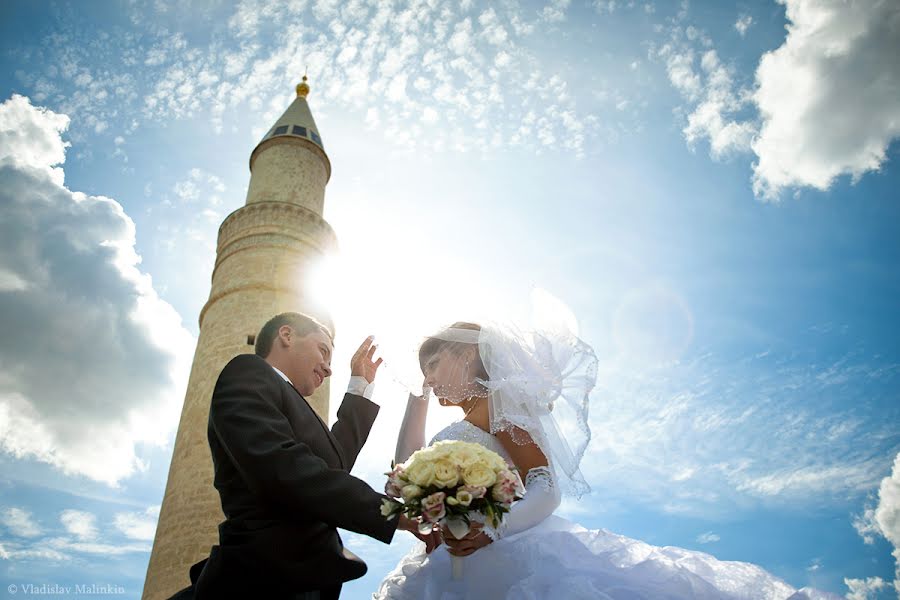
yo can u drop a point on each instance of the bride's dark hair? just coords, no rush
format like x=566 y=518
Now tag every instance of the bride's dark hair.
x=434 y=344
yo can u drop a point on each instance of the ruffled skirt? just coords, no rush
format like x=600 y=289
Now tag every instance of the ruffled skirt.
x=561 y=560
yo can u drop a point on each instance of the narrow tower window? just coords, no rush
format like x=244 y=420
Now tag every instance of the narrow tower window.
x=301 y=131
x=251 y=340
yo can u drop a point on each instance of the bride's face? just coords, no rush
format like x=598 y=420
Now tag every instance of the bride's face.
x=447 y=374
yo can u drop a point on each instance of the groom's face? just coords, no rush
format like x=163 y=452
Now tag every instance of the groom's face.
x=310 y=357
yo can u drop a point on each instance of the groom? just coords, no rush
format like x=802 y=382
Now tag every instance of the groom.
x=284 y=478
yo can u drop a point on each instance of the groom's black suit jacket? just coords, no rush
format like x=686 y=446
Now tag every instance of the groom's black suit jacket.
x=285 y=485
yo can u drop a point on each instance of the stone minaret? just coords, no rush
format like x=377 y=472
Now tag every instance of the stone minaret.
x=265 y=248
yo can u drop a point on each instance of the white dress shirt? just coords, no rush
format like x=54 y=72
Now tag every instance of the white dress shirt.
x=358 y=385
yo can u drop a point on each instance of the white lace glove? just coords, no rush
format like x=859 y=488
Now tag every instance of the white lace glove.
x=412 y=430
x=541 y=499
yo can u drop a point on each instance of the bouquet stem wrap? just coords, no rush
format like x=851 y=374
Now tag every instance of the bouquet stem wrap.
x=457 y=562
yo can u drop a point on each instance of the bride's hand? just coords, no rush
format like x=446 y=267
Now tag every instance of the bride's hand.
x=432 y=539
x=471 y=542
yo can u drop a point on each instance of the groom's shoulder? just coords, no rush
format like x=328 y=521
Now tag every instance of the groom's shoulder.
x=244 y=363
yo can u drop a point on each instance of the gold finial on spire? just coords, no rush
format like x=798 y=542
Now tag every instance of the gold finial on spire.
x=303 y=87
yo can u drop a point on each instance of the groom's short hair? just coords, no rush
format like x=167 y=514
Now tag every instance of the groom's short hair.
x=302 y=324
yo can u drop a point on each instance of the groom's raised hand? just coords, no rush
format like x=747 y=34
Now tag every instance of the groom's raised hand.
x=362 y=364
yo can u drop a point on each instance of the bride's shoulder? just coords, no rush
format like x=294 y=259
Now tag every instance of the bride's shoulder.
x=462 y=431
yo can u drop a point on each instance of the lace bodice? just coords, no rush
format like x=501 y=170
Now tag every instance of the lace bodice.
x=464 y=431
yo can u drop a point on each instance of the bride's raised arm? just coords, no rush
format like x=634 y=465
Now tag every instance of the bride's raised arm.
x=412 y=430
x=542 y=495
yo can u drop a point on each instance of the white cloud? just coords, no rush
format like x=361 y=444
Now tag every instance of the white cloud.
x=710 y=90
x=200 y=185
x=606 y=6
x=361 y=56
x=811 y=479
x=712 y=435
x=429 y=115
x=866 y=526
x=680 y=69
x=555 y=11
x=863 y=589
x=19 y=522
x=13 y=551
x=493 y=30
x=65 y=544
x=743 y=24
x=884 y=519
x=81 y=524
x=708 y=538
x=83 y=535
x=186 y=190
x=461 y=40
x=138 y=526
x=31 y=137
x=828 y=96
x=825 y=100
x=710 y=118
x=107 y=360
x=11 y=282
x=165 y=50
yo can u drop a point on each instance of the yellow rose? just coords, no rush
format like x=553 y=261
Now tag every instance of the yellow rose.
x=446 y=475
x=421 y=473
x=479 y=474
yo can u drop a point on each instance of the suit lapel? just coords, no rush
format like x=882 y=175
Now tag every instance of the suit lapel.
x=331 y=440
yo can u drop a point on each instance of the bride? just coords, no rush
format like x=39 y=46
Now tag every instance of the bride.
x=526 y=397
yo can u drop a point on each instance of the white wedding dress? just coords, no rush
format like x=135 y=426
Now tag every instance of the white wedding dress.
x=558 y=559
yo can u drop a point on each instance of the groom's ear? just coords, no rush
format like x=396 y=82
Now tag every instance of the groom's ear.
x=285 y=334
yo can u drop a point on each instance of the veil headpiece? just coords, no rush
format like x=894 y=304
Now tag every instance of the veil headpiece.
x=539 y=381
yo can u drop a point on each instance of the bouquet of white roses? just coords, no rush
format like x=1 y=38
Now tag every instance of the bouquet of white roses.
x=452 y=483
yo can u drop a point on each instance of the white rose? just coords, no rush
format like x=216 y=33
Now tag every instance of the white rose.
x=479 y=474
x=421 y=473
x=498 y=463
x=465 y=456
x=441 y=450
x=446 y=475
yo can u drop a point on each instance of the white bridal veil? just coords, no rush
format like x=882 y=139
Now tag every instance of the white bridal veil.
x=537 y=379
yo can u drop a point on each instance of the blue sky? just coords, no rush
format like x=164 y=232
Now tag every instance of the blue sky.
x=711 y=187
